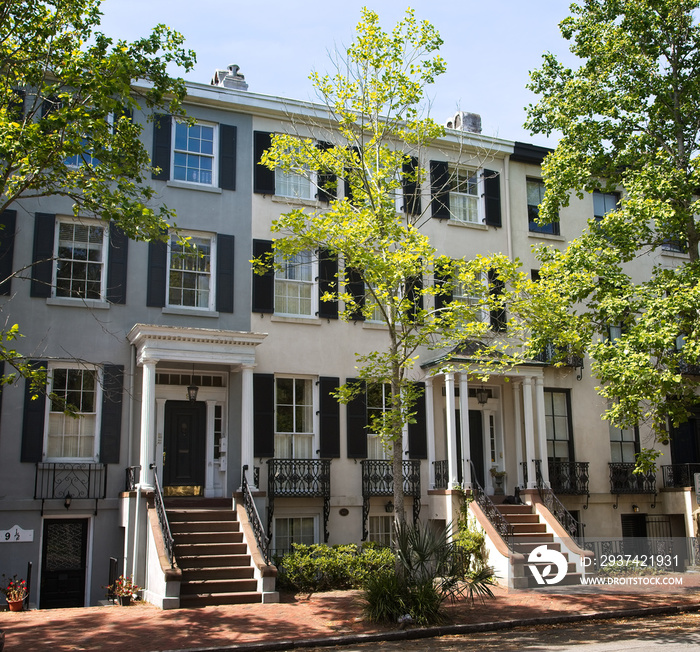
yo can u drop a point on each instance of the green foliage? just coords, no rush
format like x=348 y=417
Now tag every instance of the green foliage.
x=629 y=116
x=319 y=567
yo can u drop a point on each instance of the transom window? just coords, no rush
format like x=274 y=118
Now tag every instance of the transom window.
x=558 y=426
x=464 y=195
x=294 y=286
x=189 y=273
x=67 y=436
x=535 y=195
x=294 y=427
x=80 y=261
x=378 y=403
x=293 y=530
x=193 y=156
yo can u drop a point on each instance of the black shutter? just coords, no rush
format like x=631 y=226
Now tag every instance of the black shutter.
x=346 y=182
x=417 y=432
x=263 y=284
x=498 y=316
x=15 y=105
x=411 y=187
x=157 y=273
x=415 y=296
x=327 y=282
x=2 y=374
x=8 y=222
x=111 y=428
x=117 y=265
x=263 y=415
x=42 y=268
x=224 y=272
x=492 y=192
x=227 y=157
x=355 y=286
x=263 y=178
x=327 y=188
x=443 y=280
x=440 y=190
x=33 y=422
x=356 y=416
x=162 y=138
x=329 y=421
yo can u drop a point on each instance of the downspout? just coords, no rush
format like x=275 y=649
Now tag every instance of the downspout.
x=509 y=232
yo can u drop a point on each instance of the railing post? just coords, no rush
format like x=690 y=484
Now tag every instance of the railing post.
x=29 y=583
x=112 y=578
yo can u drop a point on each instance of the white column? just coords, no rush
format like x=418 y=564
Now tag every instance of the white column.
x=518 y=429
x=209 y=470
x=464 y=429
x=451 y=434
x=148 y=408
x=541 y=428
x=529 y=433
x=486 y=439
x=247 y=421
x=430 y=429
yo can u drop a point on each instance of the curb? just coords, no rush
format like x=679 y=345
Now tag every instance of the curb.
x=448 y=630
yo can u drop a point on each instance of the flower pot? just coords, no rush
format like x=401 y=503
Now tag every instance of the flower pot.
x=124 y=600
x=15 y=605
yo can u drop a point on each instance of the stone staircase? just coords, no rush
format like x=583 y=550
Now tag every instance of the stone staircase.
x=211 y=553
x=529 y=532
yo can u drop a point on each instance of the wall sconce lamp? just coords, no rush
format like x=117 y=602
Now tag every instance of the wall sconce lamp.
x=192 y=389
x=635 y=508
x=68 y=500
x=482 y=395
x=389 y=507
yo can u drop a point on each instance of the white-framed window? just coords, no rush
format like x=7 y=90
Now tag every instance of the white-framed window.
x=294 y=529
x=72 y=437
x=557 y=418
x=80 y=260
x=381 y=529
x=469 y=295
x=465 y=195
x=194 y=153
x=87 y=157
x=295 y=286
x=535 y=195
x=624 y=444
x=294 y=418
x=378 y=403
x=603 y=203
x=190 y=278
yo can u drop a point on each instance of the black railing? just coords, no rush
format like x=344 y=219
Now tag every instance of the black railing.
x=168 y=540
x=442 y=474
x=555 y=355
x=378 y=480
x=569 y=477
x=299 y=478
x=680 y=475
x=70 y=481
x=573 y=528
x=111 y=595
x=262 y=539
x=623 y=480
x=28 y=583
x=503 y=527
x=132 y=477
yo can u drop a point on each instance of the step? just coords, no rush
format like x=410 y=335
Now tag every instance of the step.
x=204 y=526
x=217 y=573
x=175 y=502
x=522 y=518
x=194 y=538
x=570 y=579
x=526 y=547
x=203 y=600
x=207 y=549
x=211 y=587
x=180 y=515
x=515 y=509
x=208 y=561
x=528 y=528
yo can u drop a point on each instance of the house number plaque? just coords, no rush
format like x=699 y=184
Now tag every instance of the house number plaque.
x=16 y=534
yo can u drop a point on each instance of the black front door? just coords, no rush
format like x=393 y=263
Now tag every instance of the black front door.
x=63 y=563
x=476 y=443
x=184 y=447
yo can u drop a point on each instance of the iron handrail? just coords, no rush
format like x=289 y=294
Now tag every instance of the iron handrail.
x=573 y=528
x=163 y=520
x=262 y=539
x=503 y=527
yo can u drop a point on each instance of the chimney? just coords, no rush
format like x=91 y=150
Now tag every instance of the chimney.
x=229 y=78
x=465 y=121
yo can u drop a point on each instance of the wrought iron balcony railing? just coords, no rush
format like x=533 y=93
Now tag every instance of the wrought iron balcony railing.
x=69 y=481
x=680 y=475
x=554 y=355
x=623 y=480
x=378 y=480
x=299 y=478
x=441 y=472
x=569 y=477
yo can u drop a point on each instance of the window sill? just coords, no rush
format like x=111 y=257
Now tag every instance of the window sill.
x=375 y=325
x=190 y=312
x=280 y=199
x=546 y=236
x=468 y=225
x=94 y=304
x=311 y=321
x=172 y=183
x=674 y=254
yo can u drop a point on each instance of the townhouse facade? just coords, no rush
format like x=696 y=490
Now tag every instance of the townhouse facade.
x=197 y=380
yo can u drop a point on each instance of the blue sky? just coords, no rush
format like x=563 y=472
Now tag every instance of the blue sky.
x=490 y=46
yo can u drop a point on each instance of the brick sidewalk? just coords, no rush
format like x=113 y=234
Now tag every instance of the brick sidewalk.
x=144 y=628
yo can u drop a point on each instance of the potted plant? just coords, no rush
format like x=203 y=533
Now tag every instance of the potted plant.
x=124 y=589
x=15 y=592
x=498 y=477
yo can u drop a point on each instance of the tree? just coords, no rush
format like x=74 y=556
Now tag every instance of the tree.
x=630 y=119
x=371 y=139
x=66 y=98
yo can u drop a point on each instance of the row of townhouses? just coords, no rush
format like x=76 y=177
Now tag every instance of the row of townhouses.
x=190 y=372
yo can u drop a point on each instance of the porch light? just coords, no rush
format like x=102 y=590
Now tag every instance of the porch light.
x=192 y=389
x=389 y=507
x=635 y=508
x=482 y=395
x=68 y=500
